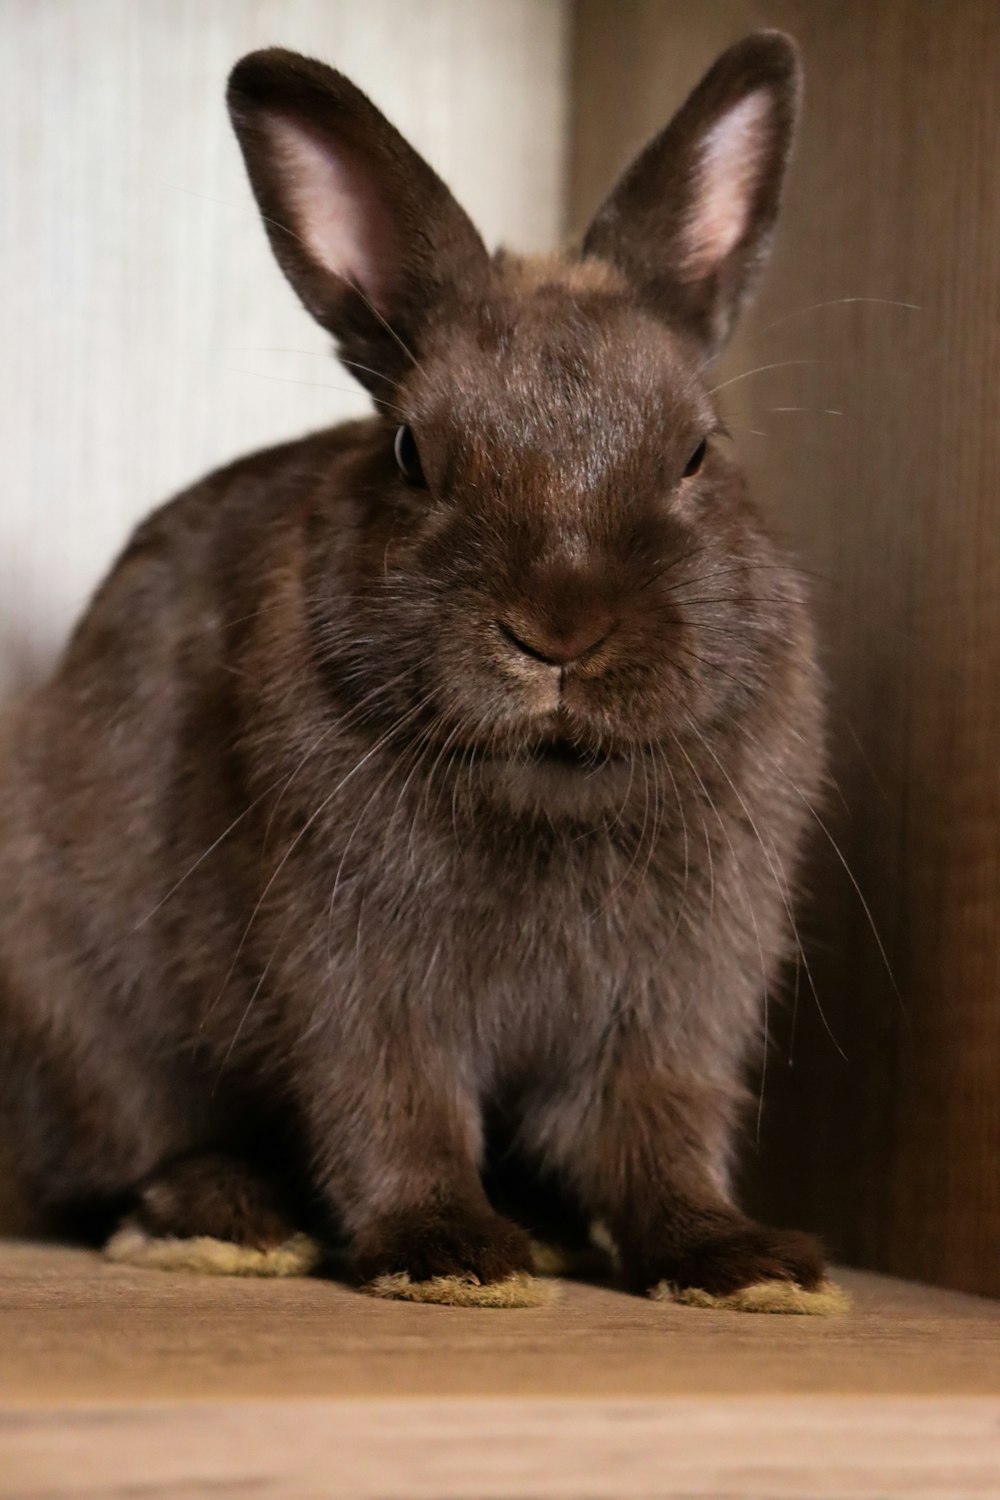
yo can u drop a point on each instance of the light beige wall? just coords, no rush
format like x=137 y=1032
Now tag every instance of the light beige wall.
x=145 y=333
x=872 y=435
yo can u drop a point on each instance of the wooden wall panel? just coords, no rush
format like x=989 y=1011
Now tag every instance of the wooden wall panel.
x=879 y=456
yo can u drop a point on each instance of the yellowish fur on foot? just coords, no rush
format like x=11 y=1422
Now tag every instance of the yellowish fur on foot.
x=828 y=1300
x=519 y=1290
x=205 y=1256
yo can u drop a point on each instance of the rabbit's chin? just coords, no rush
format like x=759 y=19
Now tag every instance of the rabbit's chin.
x=560 y=785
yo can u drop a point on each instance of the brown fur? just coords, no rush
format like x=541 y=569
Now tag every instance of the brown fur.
x=216 y=1196
x=366 y=830
x=528 y=273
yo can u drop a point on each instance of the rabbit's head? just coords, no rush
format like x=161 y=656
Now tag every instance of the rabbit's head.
x=542 y=553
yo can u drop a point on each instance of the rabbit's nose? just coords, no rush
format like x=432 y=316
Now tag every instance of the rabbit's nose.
x=557 y=647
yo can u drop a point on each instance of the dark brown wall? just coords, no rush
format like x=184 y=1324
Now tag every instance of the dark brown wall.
x=892 y=1148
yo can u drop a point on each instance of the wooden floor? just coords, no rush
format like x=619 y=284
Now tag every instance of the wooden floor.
x=118 y=1382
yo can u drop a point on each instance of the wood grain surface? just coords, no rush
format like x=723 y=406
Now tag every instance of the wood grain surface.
x=75 y=1328
x=872 y=434
x=792 y=1448
x=116 y=1381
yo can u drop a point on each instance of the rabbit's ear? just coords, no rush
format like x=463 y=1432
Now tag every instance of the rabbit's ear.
x=365 y=231
x=690 y=221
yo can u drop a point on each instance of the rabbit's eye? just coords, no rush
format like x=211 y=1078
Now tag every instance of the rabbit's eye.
x=408 y=458
x=696 y=460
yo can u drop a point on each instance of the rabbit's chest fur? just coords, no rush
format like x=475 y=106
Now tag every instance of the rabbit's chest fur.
x=516 y=950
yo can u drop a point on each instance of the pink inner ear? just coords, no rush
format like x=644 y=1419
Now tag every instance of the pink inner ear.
x=731 y=159
x=337 y=210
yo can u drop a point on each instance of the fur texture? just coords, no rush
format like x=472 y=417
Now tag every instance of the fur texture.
x=428 y=794
x=827 y=1300
x=463 y=1291
x=131 y=1245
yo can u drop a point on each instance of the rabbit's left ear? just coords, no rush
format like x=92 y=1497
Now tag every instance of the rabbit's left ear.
x=690 y=222
x=368 y=235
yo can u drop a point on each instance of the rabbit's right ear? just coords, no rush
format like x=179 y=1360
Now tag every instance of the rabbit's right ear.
x=690 y=222
x=365 y=231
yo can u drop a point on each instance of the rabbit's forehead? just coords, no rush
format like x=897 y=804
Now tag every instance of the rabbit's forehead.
x=557 y=370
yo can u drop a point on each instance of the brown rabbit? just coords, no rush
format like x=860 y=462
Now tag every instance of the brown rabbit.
x=427 y=794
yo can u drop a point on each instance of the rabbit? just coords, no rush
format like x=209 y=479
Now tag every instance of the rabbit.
x=410 y=828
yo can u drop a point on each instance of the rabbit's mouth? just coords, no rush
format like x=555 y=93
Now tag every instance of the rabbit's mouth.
x=555 y=774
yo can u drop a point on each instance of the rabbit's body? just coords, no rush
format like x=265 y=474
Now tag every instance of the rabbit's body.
x=358 y=829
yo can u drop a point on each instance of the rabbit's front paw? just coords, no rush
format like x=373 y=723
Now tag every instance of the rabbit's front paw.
x=423 y=1244
x=743 y=1255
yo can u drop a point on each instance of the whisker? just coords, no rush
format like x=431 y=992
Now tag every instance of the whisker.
x=325 y=354
x=825 y=411
x=355 y=365
x=321 y=385
x=344 y=721
x=246 y=1011
x=201 y=858
x=714 y=666
x=389 y=330
x=380 y=784
x=800 y=312
x=672 y=562
x=780 y=364
x=851 y=877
